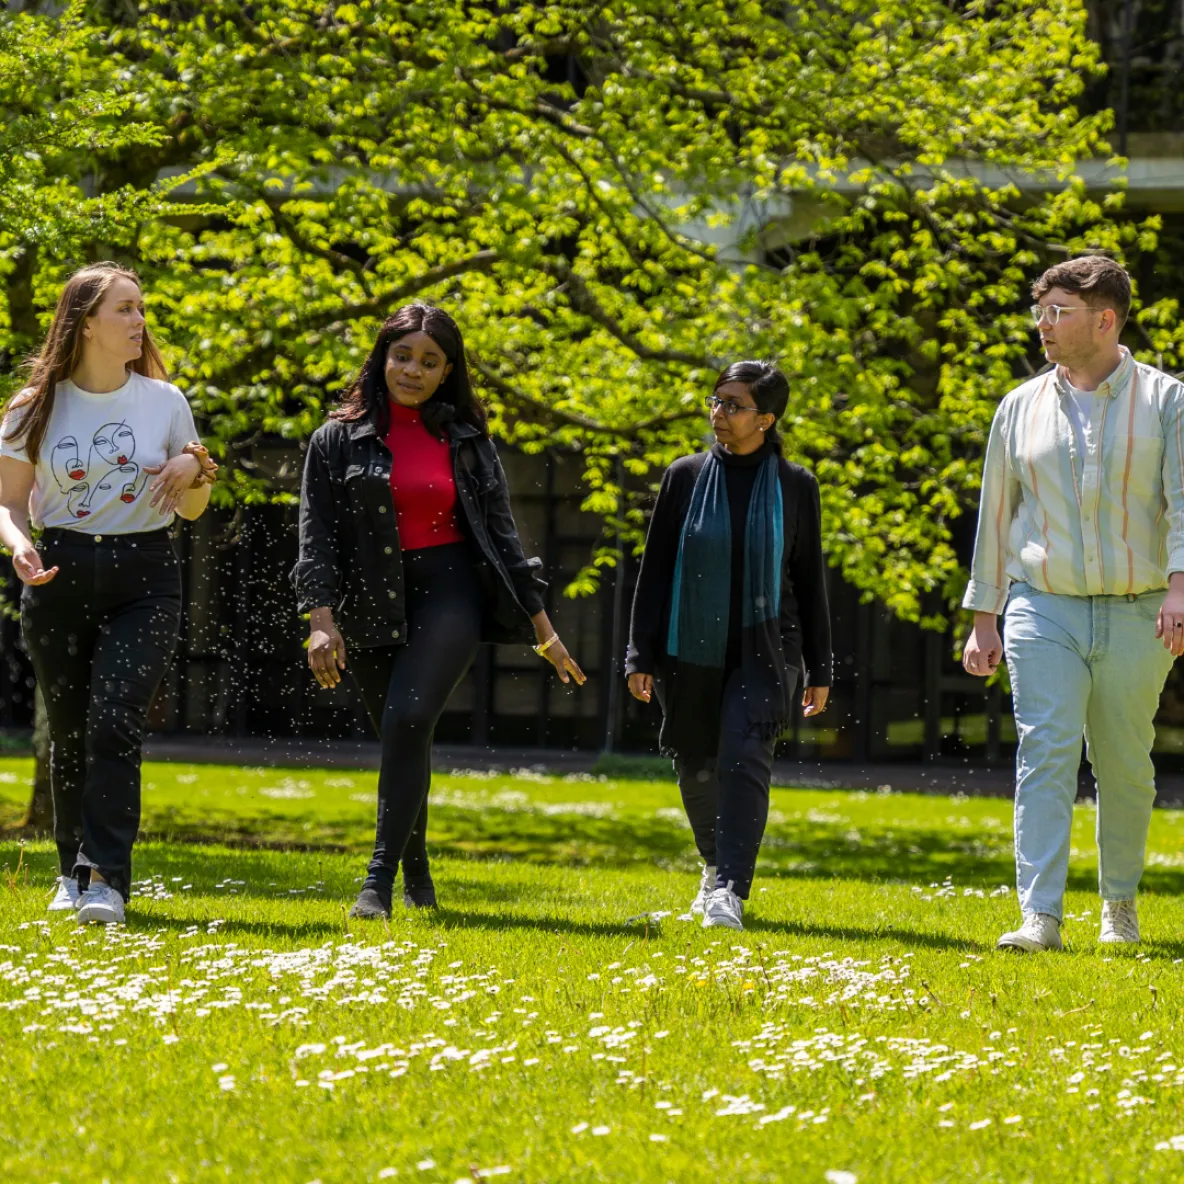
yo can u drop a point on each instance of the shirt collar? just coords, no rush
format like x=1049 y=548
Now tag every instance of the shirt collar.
x=1112 y=384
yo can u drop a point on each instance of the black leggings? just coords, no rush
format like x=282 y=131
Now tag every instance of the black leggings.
x=405 y=689
x=100 y=634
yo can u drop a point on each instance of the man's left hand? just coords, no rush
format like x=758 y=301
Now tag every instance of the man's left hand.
x=1170 y=623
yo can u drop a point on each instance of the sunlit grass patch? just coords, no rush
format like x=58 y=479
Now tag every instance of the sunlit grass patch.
x=555 y=1021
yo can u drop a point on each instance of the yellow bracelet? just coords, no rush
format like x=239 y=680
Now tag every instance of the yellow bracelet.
x=542 y=649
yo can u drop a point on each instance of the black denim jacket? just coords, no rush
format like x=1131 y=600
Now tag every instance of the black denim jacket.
x=350 y=558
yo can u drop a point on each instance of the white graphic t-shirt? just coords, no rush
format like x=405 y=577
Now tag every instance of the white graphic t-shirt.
x=90 y=473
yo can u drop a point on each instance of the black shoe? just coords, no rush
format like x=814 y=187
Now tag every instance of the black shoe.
x=419 y=893
x=372 y=905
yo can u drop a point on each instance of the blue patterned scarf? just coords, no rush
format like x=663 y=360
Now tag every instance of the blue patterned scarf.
x=697 y=641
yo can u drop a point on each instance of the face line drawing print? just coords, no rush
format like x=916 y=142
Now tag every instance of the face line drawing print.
x=66 y=464
x=115 y=443
x=112 y=448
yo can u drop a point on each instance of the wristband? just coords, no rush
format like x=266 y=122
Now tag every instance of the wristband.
x=546 y=645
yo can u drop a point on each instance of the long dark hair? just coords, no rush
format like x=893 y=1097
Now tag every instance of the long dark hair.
x=454 y=398
x=769 y=389
x=61 y=354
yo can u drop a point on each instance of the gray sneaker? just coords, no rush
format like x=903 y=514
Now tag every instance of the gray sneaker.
x=100 y=903
x=1039 y=932
x=724 y=908
x=706 y=888
x=67 y=896
x=1120 y=922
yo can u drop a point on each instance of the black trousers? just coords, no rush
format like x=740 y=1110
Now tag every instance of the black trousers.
x=405 y=689
x=100 y=635
x=727 y=798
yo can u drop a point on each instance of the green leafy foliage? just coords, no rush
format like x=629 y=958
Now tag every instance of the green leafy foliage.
x=614 y=204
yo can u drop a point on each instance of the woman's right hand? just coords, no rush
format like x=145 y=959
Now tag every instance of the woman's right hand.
x=326 y=649
x=641 y=686
x=29 y=568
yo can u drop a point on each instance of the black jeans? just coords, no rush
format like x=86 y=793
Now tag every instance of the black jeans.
x=100 y=635
x=727 y=798
x=405 y=689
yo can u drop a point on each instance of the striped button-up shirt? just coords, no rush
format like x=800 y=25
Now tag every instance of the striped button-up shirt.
x=1105 y=521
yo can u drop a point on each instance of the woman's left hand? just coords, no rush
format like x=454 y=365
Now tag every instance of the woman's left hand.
x=814 y=700
x=565 y=665
x=176 y=476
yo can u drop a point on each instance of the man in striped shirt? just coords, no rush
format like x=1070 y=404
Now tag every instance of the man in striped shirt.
x=1080 y=545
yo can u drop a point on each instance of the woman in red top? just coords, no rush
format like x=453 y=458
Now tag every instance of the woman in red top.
x=410 y=556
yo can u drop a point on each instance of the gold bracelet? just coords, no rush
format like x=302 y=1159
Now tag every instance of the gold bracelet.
x=546 y=645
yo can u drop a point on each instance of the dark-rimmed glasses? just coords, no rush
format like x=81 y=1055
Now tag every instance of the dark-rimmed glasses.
x=730 y=406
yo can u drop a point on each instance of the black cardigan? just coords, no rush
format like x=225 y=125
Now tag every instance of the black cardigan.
x=805 y=614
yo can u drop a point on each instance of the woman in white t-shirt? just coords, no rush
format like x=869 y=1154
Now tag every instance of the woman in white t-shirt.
x=99 y=452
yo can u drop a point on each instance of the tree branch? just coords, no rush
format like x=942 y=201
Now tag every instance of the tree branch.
x=590 y=188
x=682 y=242
x=584 y=301
x=337 y=258
x=572 y=418
x=246 y=364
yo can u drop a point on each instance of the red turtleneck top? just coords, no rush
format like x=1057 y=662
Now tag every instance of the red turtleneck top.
x=422 y=483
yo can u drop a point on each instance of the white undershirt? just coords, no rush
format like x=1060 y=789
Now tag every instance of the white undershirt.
x=1082 y=408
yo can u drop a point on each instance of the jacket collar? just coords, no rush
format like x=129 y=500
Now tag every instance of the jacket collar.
x=359 y=429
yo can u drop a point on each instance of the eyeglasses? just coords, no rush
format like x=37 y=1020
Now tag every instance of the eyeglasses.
x=1053 y=312
x=730 y=406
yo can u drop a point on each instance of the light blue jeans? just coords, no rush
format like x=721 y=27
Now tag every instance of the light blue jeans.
x=1092 y=665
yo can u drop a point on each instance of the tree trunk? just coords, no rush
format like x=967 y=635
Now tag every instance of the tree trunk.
x=39 y=819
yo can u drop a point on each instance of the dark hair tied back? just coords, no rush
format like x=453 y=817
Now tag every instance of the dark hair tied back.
x=769 y=389
x=454 y=399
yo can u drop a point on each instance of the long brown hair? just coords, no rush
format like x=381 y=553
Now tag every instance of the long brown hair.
x=61 y=353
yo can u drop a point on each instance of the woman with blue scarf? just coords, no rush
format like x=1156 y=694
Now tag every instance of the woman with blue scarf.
x=730 y=604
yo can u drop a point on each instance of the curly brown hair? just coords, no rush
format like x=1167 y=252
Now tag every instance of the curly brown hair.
x=1099 y=281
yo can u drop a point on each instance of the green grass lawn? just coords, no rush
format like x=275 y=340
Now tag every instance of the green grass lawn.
x=555 y=1020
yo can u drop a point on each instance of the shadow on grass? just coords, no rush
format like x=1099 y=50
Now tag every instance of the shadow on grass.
x=310 y=928
x=454 y=918
x=283 y=855
x=857 y=933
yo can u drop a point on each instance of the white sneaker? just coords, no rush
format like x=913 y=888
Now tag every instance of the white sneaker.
x=67 y=896
x=100 y=903
x=706 y=888
x=1038 y=932
x=724 y=908
x=1120 y=922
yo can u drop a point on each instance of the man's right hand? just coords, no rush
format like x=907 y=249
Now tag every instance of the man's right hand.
x=29 y=568
x=326 y=649
x=641 y=686
x=984 y=647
